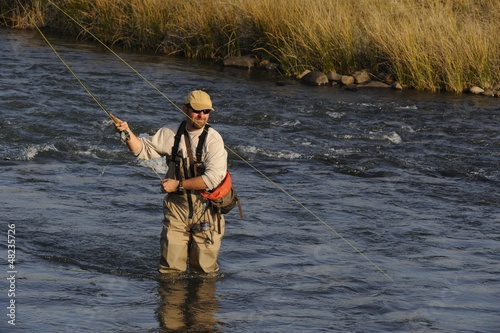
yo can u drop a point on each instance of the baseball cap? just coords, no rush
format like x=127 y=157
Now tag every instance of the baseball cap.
x=199 y=100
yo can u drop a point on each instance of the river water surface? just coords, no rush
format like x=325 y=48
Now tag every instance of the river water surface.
x=367 y=211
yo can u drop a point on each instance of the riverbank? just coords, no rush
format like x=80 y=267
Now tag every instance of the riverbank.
x=430 y=45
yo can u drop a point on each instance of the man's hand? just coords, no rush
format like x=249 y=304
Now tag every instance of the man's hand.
x=169 y=185
x=129 y=138
x=122 y=126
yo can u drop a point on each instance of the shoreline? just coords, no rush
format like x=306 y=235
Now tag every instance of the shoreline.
x=360 y=79
x=428 y=46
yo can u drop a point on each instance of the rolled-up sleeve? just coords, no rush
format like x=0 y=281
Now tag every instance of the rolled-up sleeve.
x=157 y=145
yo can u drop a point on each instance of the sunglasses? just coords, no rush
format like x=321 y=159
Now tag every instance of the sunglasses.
x=200 y=111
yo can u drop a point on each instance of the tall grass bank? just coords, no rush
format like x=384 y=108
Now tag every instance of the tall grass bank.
x=430 y=45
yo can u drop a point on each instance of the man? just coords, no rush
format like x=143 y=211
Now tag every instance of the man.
x=192 y=231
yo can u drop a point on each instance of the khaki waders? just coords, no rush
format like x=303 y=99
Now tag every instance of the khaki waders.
x=183 y=239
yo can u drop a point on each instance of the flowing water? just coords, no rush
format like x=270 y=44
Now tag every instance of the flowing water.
x=367 y=211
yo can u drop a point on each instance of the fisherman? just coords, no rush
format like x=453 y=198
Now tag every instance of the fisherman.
x=192 y=231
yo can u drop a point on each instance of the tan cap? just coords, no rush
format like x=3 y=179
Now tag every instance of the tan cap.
x=199 y=100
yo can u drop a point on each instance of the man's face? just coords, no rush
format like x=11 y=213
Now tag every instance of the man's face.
x=197 y=119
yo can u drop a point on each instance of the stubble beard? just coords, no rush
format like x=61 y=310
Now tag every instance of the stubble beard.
x=197 y=124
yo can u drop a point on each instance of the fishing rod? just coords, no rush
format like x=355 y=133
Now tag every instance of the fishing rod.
x=110 y=115
x=228 y=148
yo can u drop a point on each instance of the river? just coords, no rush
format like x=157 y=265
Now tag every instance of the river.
x=367 y=211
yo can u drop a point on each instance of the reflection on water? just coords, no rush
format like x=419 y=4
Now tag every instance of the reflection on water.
x=188 y=304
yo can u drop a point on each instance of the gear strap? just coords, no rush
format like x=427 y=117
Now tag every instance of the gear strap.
x=174 y=166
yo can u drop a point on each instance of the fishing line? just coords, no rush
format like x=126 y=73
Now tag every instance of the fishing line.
x=118 y=56
x=102 y=172
x=315 y=215
x=125 y=136
x=228 y=148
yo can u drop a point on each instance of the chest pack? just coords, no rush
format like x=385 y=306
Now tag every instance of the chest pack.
x=197 y=166
x=223 y=198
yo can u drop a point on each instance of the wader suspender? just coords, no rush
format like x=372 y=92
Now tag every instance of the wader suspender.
x=173 y=157
x=174 y=162
x=201 y=142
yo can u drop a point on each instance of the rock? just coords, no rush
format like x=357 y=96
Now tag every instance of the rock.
x=396 y=86
x=268 y=65
x=304 y=73
x=476 y=90
x=385 y=77
x=374 y=84
x=351 y=87
x=488 y=93
x=347 y=80
x=243 y=61
x=272 y=66
x=264 y=63
x=314 y=78
x=361 y=77
x=333 y=76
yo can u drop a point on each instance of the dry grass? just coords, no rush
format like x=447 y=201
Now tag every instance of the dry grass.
x=427 y=44
x=21 y=15
x=439 y=45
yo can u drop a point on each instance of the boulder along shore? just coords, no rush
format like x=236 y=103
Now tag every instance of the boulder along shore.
x=352 y=81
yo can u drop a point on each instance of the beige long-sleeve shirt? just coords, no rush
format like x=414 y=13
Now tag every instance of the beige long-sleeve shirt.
x=214 y=155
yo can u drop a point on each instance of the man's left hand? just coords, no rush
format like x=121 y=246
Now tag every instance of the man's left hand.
x=169 y=185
